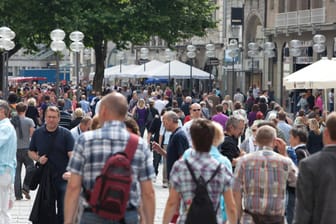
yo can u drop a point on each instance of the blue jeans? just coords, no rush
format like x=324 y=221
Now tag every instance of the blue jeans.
x=60 y=190
x=131 y=217
x=290 y=205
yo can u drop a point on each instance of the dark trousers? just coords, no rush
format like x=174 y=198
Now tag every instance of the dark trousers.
x=22 y=158
x=290 y=204
x=156 y=162
x=60 y=194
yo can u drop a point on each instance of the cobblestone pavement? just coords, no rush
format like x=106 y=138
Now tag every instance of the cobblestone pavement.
x=21 y=210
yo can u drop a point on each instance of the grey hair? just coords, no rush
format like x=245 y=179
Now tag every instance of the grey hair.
x=4 y=105
x=171 y=115
x=233 y=121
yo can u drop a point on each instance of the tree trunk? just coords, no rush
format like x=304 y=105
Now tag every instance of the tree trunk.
x=100 y=52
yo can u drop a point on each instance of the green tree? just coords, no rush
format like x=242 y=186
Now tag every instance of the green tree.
x=120 y=21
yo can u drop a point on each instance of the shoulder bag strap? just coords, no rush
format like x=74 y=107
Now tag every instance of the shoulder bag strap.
x=215 y=173
x=191 y=171
x=131 y=146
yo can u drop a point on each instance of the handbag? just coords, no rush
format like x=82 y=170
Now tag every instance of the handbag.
x=36 y=176
x=37 y=170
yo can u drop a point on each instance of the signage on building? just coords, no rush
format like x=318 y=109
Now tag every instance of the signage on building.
x=237 y=16
x=143 y=61
x=213 y=61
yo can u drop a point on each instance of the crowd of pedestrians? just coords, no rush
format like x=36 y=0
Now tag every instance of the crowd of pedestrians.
x=263 y=165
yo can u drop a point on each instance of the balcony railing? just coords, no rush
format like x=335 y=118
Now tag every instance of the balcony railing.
x=301 y=17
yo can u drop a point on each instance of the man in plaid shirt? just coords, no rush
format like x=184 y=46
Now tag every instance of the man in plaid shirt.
x=92 y=150
x=261 y=177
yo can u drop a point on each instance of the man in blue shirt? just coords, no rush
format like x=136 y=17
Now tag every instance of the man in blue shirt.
x=53 y=144
x=178 y=141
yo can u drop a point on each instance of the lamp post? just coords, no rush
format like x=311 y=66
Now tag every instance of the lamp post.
x=6 y=44
x=77 y=46
x=233 y=52
x=144 y=56
x=87 y=58
x=168 y=56
x=210 y=53
x=319 y=47
x=57 y=45
x=269 y=53
x=121 y=56
x=254 y=50
x=191 y=54
x=294 y=51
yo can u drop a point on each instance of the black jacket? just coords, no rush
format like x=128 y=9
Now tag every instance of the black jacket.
x=44 y=210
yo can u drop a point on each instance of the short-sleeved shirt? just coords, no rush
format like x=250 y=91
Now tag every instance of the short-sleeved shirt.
x=26 y=125
x=221 y=119
x=178 y=143
x=262 y=178
x=223 y=160
x=203 y=165
x=56 y=145
x=93 y=148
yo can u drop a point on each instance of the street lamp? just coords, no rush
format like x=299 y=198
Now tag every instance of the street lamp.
x=253 y=52
x=191 y=54
x=6 y=44
x=77 y=46
x=168 y=55
x=210 y=53
x=269 y=53
x=233 y=53
x=57 y=45
x=121 y=56
x=319 y=43
x=319 y=47
x=144 y=56
x=294 y=51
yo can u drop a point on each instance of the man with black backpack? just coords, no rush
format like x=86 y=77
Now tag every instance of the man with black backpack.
x=113 y=168
x=199 y=181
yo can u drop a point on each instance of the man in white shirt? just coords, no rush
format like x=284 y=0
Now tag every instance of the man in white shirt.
x=195 y=112
x=159 y=104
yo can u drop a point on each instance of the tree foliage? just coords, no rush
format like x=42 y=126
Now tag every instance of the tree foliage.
x=120 y=21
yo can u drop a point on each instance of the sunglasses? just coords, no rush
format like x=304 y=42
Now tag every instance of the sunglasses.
x=196 y=110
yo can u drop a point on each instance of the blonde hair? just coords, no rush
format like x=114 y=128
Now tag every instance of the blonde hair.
x=141 y=103
x=78 y=113
x=31 y=101
x=219 y=134
x=314 y=126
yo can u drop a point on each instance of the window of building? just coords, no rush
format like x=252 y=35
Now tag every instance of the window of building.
x=304 y=5
x=292 y=6
x=281 y=6
x=317 y=4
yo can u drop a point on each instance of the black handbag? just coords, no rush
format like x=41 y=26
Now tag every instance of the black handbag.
x=36 y=176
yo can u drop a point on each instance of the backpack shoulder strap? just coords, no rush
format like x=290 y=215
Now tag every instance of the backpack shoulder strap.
x=131 y=146
x=215 y=173
x=191 y=171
